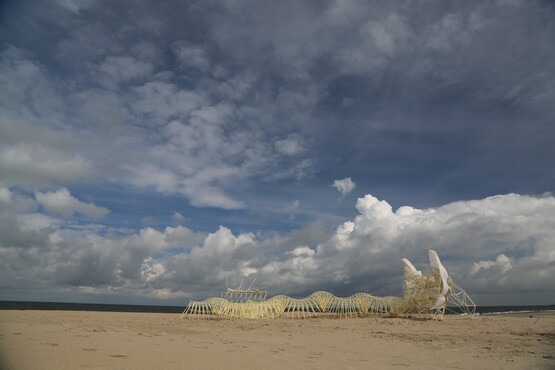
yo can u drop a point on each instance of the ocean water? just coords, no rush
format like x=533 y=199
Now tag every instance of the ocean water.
x=61 y=306
x=495 y=310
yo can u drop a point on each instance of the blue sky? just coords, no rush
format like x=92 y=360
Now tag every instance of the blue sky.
x=149 y=150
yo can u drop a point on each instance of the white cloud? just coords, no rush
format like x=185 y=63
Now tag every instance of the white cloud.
x=213 y=114
x=148 y=221
x=344 y=186
x=495 y=246
x=147 y=51
x=148 y=175
x=159 y=101
x=204 y=152
x=292 y=207
x=113 y=70
x=76 y=6
x=178 y=217
x=210 y=196
x=62 y=203
x=156 y=134
x=125 y=68
x=302 y=251
x=386 y=35
x=5 y=195
x=346 y=102
x=36 y=222
x=189 y=55
x=151 y=270
x=502 y=262
x=31 y=165
x=293 y=144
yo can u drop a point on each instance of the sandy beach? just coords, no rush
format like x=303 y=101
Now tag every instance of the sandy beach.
x=106 y=340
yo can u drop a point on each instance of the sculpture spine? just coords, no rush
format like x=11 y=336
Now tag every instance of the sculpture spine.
x=425 y=294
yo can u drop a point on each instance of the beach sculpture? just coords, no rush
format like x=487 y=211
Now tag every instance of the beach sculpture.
x=423 y=294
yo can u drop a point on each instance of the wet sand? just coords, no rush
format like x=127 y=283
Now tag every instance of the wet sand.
x=106 y=340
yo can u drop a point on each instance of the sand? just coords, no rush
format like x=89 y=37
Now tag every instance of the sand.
x=105 y=340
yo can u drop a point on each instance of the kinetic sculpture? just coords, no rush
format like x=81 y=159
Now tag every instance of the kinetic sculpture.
x=426 y=294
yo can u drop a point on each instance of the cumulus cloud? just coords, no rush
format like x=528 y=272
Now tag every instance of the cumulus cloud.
x=344 y=186
x=493 y=246
x=36 y=222
x=151 y=270
x=62 y=203
x=502 y=263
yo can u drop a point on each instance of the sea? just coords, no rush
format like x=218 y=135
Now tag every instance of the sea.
x=64 y=306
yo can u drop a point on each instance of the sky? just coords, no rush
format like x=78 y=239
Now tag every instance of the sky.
x=152 y=150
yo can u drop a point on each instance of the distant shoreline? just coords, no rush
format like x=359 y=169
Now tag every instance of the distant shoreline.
x=105 y=307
